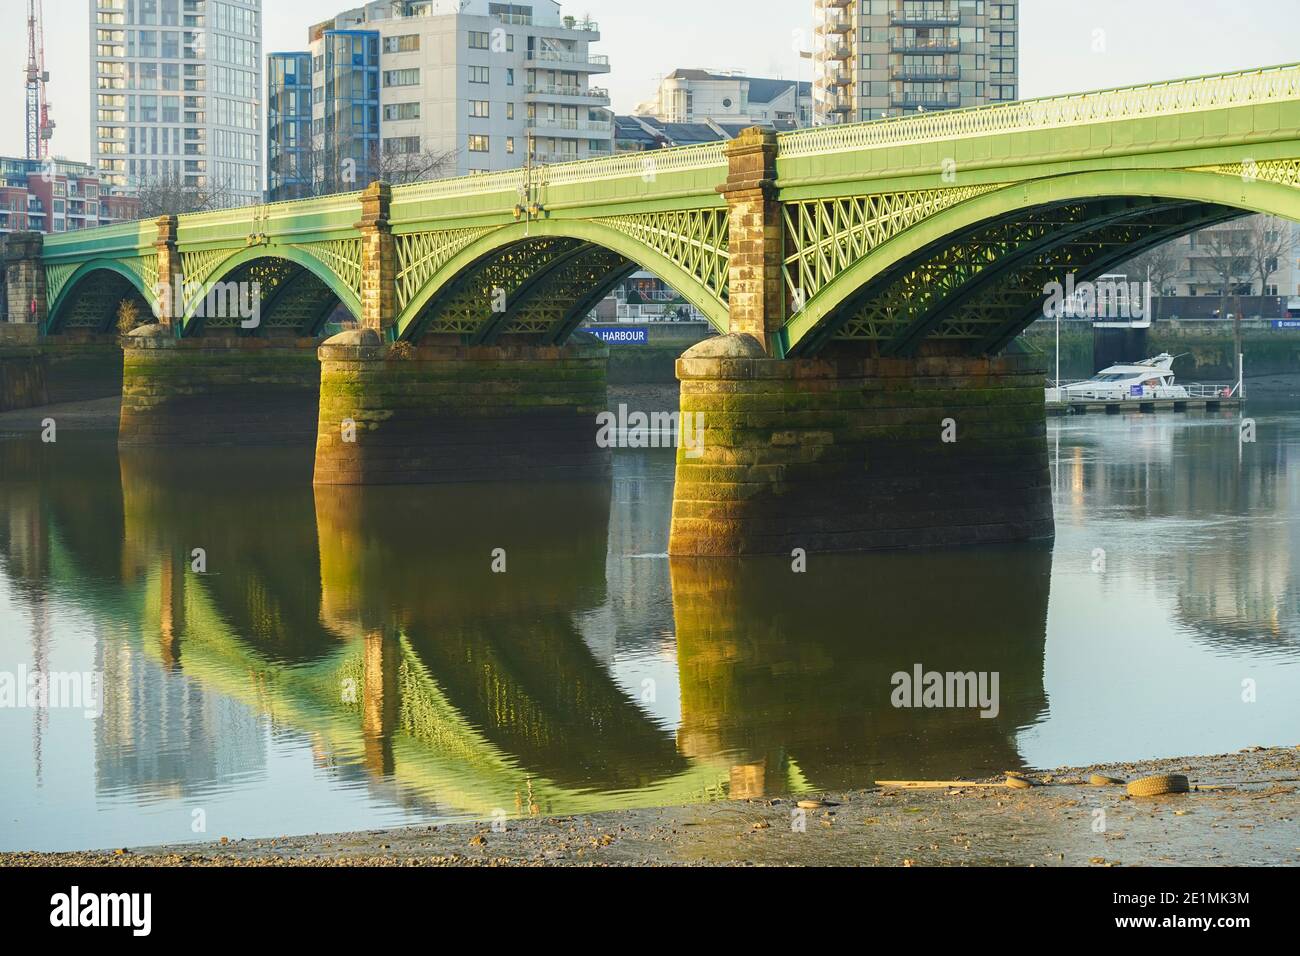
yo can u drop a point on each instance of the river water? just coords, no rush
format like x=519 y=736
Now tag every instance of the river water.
x=358 y=658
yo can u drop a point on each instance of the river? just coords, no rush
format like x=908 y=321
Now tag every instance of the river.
x=275 y=659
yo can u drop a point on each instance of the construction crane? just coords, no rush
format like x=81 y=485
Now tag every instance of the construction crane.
x=39 y=126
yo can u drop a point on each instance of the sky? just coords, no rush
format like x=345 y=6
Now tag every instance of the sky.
x=1066 y=46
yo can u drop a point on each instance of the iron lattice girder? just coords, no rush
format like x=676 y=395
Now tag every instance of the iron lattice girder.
x=547 y=303
x=290 y=297
x=824 y=237
x=1058 y=227
x=93 y=304
x=1010 y=306
x=994 y=275
x=468 y=304
x=1112 y=255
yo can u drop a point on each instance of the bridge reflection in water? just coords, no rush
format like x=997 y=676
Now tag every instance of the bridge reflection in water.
x=370 y=621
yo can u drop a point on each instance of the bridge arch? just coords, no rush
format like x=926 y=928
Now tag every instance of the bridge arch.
x=298 y=290
x=1204 y=198
x=80 y=301
x=555 y=243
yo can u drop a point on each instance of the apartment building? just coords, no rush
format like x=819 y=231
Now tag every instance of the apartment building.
x=176 y=95
x=698 y=96
x=57 y=195
x=878 y=58
x=1200 y=259
x=484 y=83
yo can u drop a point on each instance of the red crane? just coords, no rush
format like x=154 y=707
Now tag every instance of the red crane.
x=40 y=128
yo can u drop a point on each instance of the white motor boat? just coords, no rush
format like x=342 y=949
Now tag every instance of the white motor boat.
x=1152 y=378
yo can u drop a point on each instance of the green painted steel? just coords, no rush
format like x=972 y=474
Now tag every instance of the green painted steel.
x=896 y=232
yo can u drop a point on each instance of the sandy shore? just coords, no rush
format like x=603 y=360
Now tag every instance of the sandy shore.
x=1246 y=816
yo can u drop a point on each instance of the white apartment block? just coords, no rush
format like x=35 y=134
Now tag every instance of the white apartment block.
x=703 y=96
x=176 y=94
x=484 y=80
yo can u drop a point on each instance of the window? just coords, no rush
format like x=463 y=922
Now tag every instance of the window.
x=403 y=44
x=402 y=144
x=402 y=77
x=479 y=41
x=480 y=109
x=402 y=111
x=478 y=74
x=510 y=144
x=478 y=144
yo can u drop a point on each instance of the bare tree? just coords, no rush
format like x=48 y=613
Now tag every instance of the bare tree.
x=343 y=166
x=1227 y=253
x=1159 y=265
x=170 y=195
x=1269 y=240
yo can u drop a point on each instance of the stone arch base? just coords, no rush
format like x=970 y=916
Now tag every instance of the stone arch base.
x=848 y=453
x=401 y=414
x=217 y=391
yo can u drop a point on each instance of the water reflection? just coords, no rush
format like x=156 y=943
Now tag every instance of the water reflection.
x=444 y=653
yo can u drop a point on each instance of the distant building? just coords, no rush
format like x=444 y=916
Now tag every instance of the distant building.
x=479 y=81
x=56 y=196
x=1200 y=259
x=696 y=96
x=878 y=58
x=634 y=134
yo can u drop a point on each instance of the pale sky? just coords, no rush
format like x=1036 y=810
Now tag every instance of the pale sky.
x=1144 y=40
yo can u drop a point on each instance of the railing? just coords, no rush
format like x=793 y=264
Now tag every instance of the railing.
x=574 y=126
x=565 y=56
x=898 y=44
x=937 y=72
x=939 y=100
x=1160 y=99
x=550 y=89
x=937 y=15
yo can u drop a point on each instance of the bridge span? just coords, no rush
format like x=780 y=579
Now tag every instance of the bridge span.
x=868 y=283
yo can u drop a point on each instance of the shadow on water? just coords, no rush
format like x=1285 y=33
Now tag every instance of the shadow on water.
x=372 y=622
x=780 y=669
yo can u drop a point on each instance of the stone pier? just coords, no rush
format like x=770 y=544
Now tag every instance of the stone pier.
x=217 y=390
x=401 y=414
x=858 y=453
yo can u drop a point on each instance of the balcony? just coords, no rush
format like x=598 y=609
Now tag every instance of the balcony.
x=836 y=24
x=936 y=72
x=935 y=16
x=593 y=96
x=905 y=44
x=839 y=49
x=582 y=129
x=930 y=101
x=567 y=59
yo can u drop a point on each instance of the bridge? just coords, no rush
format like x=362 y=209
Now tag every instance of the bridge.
x=868 y=283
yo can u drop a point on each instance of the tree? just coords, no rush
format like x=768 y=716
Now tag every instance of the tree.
x=1269 y=241
x=171 y=195
x=1159 y=264
x=1227 y=253
x=338 y=167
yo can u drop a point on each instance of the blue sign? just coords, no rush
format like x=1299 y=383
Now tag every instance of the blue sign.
x=1286 y=323
x=1135 y=391
x=636 y=336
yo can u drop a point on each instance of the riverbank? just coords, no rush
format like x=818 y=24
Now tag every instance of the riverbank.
x=1242 y=811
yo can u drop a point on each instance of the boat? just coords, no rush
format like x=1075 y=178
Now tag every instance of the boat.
x=1152 y=378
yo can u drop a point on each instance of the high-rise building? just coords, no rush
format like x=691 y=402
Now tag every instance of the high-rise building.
x=473 y=81
x=176 y=95
x=878 y=58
